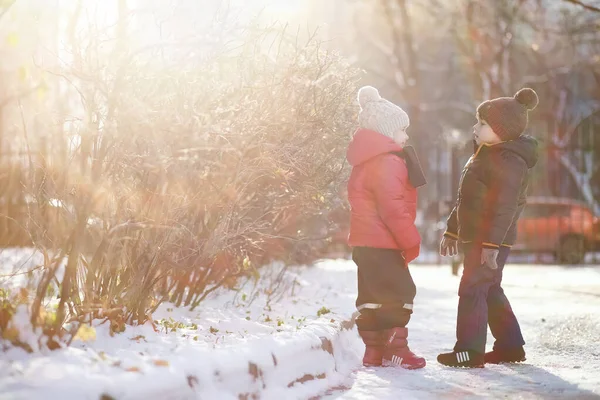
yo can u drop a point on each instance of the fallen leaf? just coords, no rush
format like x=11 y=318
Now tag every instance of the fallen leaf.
x=11 y=334
x=85 y=333
x=133 y=369
x=161 y=363
x=23 y=294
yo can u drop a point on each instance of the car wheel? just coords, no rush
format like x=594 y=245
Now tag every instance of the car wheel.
x=571 y=250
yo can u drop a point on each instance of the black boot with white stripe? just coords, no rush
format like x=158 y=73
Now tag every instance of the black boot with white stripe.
x=464 y=359
x=497 y=356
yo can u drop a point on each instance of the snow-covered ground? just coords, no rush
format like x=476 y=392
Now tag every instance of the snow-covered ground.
x=559 y=311
x=240 y=345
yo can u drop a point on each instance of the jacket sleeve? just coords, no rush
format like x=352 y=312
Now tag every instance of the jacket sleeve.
x=504 y=195
x=390 y=188
x=452 y=225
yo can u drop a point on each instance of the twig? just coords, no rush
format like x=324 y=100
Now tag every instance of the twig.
x=584 y=5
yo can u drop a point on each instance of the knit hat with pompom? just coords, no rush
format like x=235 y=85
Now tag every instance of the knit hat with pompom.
x=380 y=115
x=508 y=116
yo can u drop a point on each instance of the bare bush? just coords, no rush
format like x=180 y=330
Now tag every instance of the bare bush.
x=182 y=175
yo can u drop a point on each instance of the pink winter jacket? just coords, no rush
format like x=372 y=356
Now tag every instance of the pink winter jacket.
x=383 y=202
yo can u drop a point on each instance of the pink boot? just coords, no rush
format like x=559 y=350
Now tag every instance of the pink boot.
x=375 y=345
x=397 y=352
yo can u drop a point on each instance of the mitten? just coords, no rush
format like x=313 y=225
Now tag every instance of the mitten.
x=448 y=246
x=489 y=256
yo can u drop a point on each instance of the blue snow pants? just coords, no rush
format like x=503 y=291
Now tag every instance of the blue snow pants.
x=481 y=302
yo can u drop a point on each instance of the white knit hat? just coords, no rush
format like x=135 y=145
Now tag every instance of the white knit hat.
x=378 y=114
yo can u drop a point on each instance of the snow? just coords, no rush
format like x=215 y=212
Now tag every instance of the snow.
x=15 y=265
x=208 y=355
x=21 y=268
x=262 y=345
x=558 y=311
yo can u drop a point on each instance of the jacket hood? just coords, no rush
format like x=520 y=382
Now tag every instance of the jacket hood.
x=368 y=144
x=525 y=147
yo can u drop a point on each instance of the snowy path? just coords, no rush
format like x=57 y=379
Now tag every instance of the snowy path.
x=559 y=310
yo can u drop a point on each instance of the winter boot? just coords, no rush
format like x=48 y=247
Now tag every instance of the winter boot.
x=375 y=343
x=514 y=355
x=397 y=352
x=464 y=359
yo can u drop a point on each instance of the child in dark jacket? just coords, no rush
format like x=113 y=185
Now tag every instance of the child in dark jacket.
x=382 y=231
x=492 y=194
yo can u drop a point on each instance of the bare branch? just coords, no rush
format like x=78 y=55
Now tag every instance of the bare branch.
x=584 y=5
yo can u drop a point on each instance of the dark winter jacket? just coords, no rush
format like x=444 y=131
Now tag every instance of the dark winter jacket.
x=383 y=202
x=492 y=193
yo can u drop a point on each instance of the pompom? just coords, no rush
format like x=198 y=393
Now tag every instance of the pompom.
x=367 y=94
x=527 y=97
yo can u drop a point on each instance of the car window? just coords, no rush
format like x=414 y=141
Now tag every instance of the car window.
x=561 y=211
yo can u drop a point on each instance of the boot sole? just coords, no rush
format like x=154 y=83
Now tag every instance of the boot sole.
x=507 y=362
x=464 y=366
x=368 y=365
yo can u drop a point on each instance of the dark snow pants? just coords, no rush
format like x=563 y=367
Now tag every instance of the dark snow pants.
x=481 y=302
x=385 y=289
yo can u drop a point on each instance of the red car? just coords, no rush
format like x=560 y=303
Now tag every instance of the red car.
x=564 y=227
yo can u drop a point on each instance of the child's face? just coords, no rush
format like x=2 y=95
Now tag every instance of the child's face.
x=401 y=137
x=483 y=133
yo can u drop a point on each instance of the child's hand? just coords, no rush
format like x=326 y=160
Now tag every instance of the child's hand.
x=448 y=247
x=488 y=257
